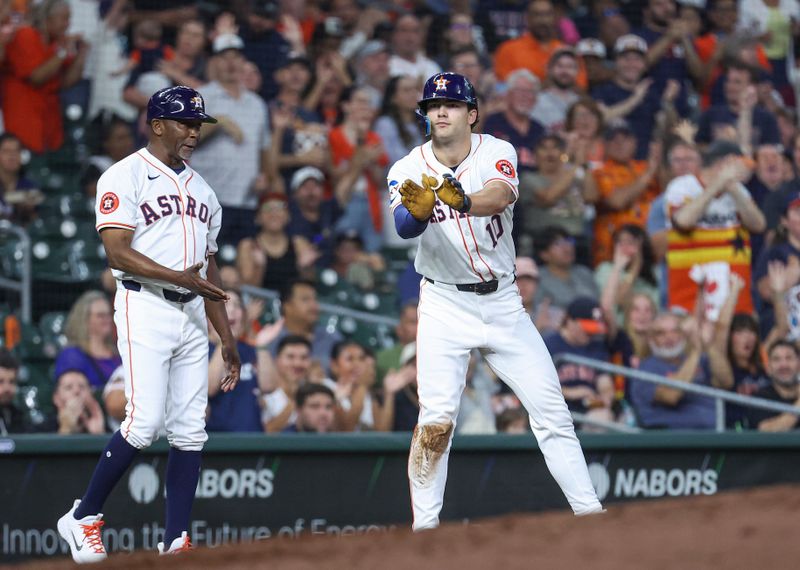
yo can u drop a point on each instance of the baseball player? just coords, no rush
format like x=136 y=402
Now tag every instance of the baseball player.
x=159 y=220
x=457 y=192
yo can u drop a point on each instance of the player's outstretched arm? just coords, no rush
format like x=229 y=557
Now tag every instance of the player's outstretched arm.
x=492 y=199
x=122 y=256
x=219 y=320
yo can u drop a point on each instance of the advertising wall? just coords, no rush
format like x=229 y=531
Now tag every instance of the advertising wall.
x=263 y=487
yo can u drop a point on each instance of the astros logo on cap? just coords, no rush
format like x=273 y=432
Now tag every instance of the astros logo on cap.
x=197 y=102
x=441 y=83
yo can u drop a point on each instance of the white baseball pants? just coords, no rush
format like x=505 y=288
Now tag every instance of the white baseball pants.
x=164 y=350
x=451 y=323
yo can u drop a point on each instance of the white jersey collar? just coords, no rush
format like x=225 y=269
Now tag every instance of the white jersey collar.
x=439 y=168
x=156 y=163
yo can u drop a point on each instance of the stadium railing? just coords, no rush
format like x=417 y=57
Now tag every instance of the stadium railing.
x=23 y=285
x=343 y=312
x=720 y=396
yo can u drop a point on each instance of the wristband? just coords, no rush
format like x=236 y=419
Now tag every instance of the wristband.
x=467 y=204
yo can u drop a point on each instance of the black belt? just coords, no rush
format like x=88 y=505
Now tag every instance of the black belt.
x=478 y=288
x=169 y=294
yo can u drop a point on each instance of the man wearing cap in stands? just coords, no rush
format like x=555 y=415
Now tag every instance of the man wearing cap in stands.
x=671 y=53
x=312 y=216
x=233 y=154
x=583 y=332
x=632 y=97
x=592 y=53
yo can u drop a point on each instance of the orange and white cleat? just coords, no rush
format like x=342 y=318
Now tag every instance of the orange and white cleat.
x=83 y=536
x=180 y=544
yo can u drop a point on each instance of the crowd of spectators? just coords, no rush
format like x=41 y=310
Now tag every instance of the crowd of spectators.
x=658 y=223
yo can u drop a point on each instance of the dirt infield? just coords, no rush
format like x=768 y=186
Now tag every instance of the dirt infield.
x=750 y=530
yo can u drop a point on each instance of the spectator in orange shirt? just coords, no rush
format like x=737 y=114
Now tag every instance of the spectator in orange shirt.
x=359 y=165
x=723 y=42
x=40 y=61
x=533 y=49
x=626 y=188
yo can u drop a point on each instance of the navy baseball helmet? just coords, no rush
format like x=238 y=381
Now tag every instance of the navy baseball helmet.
x=178 y=103
x=451 y=86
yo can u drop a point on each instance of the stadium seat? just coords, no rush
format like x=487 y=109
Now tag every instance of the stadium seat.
x=35 y=401
x=85 y=230
x=52 y=326
x=397 y=258
x=75 y=206
x=379 y=303
x=363 y=333
x=54 y=227
x=31 y=346
x=50 y=260
x=87 y=259
x=11 y=258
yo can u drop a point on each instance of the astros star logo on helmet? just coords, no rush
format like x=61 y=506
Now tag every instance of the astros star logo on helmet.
x=441 y=83
x=197 y=102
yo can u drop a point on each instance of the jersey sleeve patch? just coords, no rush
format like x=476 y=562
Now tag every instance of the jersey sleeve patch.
x=505 y=168
x=109 y=203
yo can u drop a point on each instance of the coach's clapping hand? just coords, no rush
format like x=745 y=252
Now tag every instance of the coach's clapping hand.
x=190 y=279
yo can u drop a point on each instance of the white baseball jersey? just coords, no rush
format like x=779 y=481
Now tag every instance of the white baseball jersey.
x=721 y=212
x=175 y=218
x=459 y=248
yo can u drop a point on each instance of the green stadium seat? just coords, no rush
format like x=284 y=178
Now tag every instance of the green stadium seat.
x=85 y=230
x=397 y=258
x=11 y=257
x=88 y=259
x=52 y=228
x=52 y=326
x=31 y=346
x=35 y=402
x=363 y=333
x=50 y=260
x=379 y=303
x=53 y=323
x=73 y=205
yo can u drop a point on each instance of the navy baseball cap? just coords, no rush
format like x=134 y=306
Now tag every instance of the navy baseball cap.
x=618 y=126
x=719 y=150
x=792 y=200
x=589 y=315
x=179 y=103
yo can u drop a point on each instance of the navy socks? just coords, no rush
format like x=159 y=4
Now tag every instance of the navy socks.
x=183 y=471
x=115 y=460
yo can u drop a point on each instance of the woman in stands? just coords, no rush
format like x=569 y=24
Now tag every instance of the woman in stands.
x=18 y=195
x=269 y=259
x=398 y=124
x=584 y=127
x=631 y=271
x=91 y=339
x=639 y=315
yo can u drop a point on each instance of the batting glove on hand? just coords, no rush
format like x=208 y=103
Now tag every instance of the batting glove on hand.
x=418 y=200
x=452 y=194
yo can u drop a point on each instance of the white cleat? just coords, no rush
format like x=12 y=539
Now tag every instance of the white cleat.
x=83 y=536
x=180 y=544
